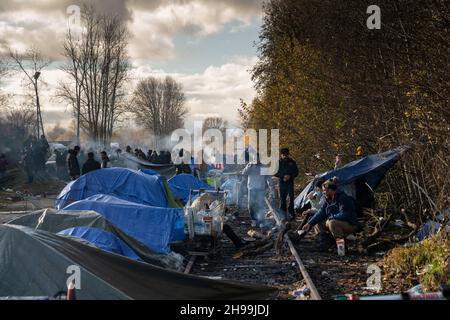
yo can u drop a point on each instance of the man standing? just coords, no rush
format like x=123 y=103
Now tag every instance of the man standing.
x=60 y=164
x=72 y=163
x=29 y=165
x=256 y=191
x=105 y=160
x=287 y=172
x=91 y=164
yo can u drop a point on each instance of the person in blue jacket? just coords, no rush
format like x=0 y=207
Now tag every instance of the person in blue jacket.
x=337 y=215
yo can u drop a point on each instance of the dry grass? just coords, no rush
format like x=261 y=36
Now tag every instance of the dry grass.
x=426 y=263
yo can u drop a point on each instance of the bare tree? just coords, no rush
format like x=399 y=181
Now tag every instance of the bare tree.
x=3 y=67
x=98 y=72
x=16 y=124
x=217 y=123
x=214 y=123
x=3 y=72
x=31 y=64
x=159 y=105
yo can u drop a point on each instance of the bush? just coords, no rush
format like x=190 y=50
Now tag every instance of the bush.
x=427 y=263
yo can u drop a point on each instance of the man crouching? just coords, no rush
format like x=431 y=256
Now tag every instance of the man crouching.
x=337 y=215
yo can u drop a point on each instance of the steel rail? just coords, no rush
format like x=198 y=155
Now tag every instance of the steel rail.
x=314 y=293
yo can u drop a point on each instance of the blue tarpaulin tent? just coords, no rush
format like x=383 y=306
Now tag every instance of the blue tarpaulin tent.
x=182 y=184
x=150 y=172
x=371 y=168
x=153 y=226
x=102 y=239
x=122 y=183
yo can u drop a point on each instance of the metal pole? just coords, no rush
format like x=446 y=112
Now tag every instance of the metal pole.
x=78 y=123
x=37 y=109
x=40 y=124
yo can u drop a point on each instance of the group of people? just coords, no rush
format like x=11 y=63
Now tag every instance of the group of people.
x=88 y=166
x=330 y=211
x=164 y=157
x=35 y=155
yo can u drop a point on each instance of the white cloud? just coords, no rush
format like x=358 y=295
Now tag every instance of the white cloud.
x=153 y=24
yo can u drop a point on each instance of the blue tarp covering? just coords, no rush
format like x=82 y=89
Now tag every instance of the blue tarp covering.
x=150 y=172
x=373 y=168
x=122 y=183
x=153 y=226
x=102 y=239
x=182 y=184
x=431 y=227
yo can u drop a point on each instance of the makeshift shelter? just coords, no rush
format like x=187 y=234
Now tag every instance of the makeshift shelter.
x=165 y=170
x=358 y=178
x=153 y=226
x=182 y=184
x=170 y=197
x=36 y=263
x=54 y=221
x=101 y=239
x=126 y=184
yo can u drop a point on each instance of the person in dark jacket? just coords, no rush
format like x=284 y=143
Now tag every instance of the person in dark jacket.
x=61 y=169
x=91 y=164
x=29 y=165
x=287 y=172
x=337 y=215
x=73 y=165
x=105 y=160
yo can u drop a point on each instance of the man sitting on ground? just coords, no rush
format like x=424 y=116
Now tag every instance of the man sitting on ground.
x=337 y=215
x=91 y=164
x=316 y=200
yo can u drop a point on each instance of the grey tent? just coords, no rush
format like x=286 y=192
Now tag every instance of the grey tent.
x=36 y=263
x=52 y=221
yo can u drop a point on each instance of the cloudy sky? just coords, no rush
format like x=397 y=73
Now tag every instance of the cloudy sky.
x=207 y=45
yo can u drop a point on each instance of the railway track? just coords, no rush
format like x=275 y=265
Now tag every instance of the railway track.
x=285 y=272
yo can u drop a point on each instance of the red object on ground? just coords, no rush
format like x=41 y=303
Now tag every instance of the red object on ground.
x=71 y=292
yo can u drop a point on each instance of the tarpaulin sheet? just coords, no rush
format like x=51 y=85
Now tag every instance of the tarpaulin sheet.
x=150 y=172
x=122 y=183
x=35 y=263
x=170 y=198
x=373 y=168
x=101 y=239
x=153 y=226
x=165 y=170
x=53 y=221
x=182 y=184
